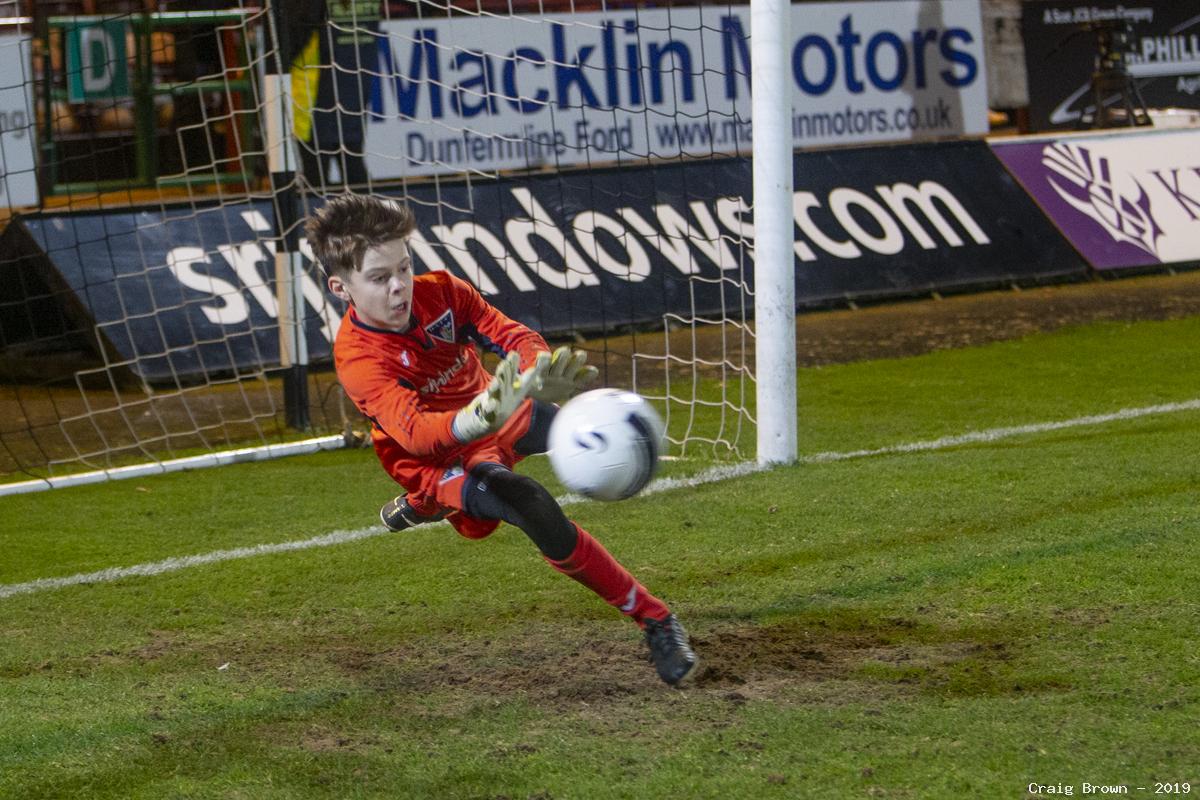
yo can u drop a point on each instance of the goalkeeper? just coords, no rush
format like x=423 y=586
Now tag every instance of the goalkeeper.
x=446 y=430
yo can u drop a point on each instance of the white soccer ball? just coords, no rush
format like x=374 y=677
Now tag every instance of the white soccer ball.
x=605 y=444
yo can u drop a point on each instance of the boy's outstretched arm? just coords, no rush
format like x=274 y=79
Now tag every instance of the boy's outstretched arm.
x=492 y=407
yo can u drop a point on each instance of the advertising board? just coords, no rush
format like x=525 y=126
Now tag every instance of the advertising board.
x=1128 y=199
x=636 y=84
x=1061 y=45
x=18 y=179
x=190 y=291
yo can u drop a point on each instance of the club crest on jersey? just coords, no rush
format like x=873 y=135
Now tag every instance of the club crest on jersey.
x=442 y=328
x=404 y=358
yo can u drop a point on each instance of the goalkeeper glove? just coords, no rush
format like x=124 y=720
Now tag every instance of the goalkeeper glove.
x=568 y=371
x=492 y=407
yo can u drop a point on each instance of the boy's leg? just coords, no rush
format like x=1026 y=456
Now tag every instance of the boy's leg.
x=489 y=492
x=593 y=566
x=494 y=491
x=436 y=492
x=403 y=512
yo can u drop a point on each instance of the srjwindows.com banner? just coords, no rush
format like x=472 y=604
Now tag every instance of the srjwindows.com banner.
x=191 y=292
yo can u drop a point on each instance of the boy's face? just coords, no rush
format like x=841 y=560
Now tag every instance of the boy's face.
x=381 y=291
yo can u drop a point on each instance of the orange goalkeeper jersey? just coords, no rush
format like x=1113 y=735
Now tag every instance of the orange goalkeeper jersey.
x=411 y=384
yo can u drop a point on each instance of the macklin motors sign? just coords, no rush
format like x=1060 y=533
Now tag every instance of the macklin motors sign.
x=627 y=86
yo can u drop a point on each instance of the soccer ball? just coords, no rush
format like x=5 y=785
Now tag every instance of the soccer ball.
x=605 y=444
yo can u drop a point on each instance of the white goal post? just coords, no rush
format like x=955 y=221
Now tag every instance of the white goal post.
x=775 y=280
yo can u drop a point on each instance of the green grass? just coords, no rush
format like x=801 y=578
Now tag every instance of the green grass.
x=957 y=623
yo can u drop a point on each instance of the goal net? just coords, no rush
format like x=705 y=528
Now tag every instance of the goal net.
x=583 y=165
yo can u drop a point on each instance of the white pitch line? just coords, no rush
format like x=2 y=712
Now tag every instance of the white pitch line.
x=712 y=475
x=1004 y=433
x=184 y=562
x=719 y=473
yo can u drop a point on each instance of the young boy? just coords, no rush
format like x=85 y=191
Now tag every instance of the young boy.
x=447 y=431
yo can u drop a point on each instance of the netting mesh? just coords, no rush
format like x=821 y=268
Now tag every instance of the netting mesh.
x=583 y=167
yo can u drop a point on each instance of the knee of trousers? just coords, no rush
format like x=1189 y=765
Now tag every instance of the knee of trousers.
x=510 y=492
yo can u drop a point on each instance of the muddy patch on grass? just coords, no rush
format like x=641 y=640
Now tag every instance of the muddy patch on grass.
x=738 y=663
x=325 y=740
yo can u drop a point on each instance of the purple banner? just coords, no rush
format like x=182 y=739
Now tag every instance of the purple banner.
x=1123 y=200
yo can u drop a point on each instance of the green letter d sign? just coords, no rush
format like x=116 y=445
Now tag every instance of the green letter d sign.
x=97 y=64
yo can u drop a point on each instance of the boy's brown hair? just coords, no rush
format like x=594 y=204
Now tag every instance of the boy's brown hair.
x=341 y=231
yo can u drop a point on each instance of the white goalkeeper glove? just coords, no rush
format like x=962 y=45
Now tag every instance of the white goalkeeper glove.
x=492 y=407
x=568 y=372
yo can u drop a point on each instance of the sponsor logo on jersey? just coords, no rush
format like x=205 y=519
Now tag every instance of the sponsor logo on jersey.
x=442 y=328
x=435 y=384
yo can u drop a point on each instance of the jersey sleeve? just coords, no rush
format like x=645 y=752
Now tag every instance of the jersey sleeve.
x=488 y=327
x=397 y=409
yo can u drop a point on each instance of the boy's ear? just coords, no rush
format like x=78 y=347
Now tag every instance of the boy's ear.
x=337 y=286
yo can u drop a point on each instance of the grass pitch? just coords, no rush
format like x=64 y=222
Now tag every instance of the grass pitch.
x=965 y=622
